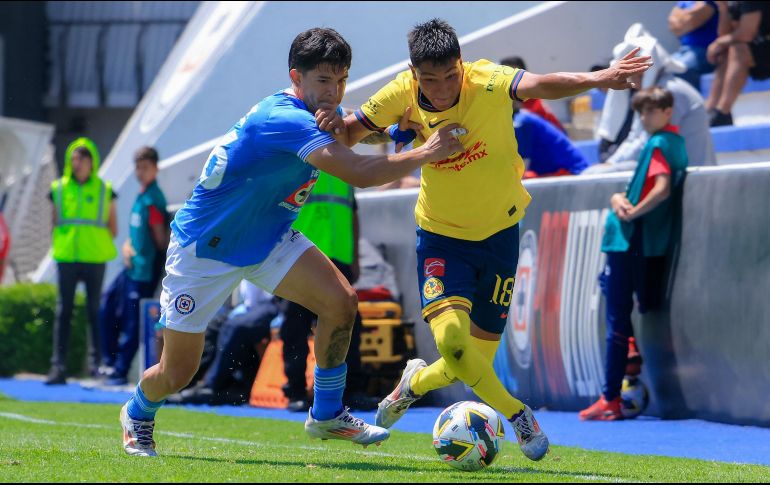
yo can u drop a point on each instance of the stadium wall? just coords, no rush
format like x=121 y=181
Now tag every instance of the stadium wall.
x=705 y=350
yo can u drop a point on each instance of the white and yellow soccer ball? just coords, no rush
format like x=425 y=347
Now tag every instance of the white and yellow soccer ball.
x=634 y=397
x=468 y=435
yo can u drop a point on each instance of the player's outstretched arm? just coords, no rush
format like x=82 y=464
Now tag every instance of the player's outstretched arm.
x=562 y=84
x=350 y=131
x=373 y=170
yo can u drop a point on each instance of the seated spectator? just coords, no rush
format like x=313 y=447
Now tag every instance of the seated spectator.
x=546 y=151
x=695 y=23
x=533 y=105
x=742 y=49
x=235 y=359
x=620 y=130
x=637 y=235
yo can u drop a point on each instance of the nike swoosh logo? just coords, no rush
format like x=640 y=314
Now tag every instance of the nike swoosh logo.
x=433 y=125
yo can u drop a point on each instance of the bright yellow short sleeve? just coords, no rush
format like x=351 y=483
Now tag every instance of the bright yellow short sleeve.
x=387 y=106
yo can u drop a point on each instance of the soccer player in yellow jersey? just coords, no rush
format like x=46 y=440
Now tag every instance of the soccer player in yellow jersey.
x=468 y=208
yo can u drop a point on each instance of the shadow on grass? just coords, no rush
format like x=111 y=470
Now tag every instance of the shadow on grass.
x=353 y=466
x=489 y=473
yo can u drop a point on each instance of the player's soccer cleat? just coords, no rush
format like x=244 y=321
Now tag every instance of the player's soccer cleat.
x=397 y=402
x=137 y=435
x=602 y=410
x=532 y=441
x=345 y=427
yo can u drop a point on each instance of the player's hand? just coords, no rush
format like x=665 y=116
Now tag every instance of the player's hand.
x=442 y=144
x=406 y=131
x=327 y=119
x=617 y=76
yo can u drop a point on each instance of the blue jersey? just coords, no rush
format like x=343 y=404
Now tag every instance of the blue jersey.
x=253 y=184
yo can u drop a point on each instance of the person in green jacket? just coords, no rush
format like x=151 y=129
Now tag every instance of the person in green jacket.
x=637 y=235
x=84 y=226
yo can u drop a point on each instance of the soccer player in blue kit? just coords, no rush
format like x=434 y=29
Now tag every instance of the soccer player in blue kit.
x=236 y=225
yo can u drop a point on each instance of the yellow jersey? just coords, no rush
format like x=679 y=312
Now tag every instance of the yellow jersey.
x=477 y=193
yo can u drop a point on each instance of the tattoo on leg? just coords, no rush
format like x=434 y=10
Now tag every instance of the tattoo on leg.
x=338 y=346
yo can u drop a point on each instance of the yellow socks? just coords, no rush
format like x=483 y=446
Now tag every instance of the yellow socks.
x=488 y=348
x=466 y=358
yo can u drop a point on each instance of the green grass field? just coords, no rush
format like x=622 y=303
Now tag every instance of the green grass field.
x=81 y=442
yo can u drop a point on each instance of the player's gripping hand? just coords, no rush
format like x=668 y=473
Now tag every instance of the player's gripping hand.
x=405 y=131
x=443 y=143
x=328 y=119
x=617 y=75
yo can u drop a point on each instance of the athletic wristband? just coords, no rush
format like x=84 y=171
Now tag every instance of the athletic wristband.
x=398 y=136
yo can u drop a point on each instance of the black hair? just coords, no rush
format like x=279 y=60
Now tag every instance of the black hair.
x=514 y=61
x=146 y=153
x=319 y=46
x=83 y=152
x=434 y=41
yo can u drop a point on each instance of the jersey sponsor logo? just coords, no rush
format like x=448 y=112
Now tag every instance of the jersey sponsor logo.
x=459 y=162
x=505 y=70
x=371 y=105
x=433 y=288
x=297 y=199
x=184 y=304
x=295 y=234
x=433 y=125
x=434 y=267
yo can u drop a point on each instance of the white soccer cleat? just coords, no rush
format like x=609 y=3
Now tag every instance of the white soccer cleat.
x=532 y=441
x=395 y=404
x=345 y=427
x=137 y=435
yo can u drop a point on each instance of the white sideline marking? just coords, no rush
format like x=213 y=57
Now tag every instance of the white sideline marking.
x=29 y=419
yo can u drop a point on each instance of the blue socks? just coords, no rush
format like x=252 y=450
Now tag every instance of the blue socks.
x=140 y=408
x=328 y=386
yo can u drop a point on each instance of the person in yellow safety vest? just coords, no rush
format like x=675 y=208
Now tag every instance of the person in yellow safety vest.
x=84 y=225
x=329 y=218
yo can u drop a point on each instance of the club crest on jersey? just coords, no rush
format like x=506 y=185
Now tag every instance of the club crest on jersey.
x=184 y=304
x=434 y=267
x=432 y=288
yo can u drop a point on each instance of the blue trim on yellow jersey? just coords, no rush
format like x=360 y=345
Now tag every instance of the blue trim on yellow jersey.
x=368 y=124
x=515 y=85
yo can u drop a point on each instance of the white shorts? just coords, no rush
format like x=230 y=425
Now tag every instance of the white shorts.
x=194 y=288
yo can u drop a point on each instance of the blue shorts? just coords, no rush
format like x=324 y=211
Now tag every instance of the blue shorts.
x=478 y=275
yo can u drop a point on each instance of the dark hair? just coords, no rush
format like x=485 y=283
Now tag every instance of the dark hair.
x=83 y=152
x=514 y=61
x=319 y=46
x=598 y=67
x=434 y=41
x=655 y=96
x=146 y=153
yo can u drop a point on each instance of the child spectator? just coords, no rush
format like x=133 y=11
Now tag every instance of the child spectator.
x=636 y=238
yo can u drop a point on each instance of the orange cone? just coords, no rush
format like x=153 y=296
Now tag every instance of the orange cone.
x=267 y=390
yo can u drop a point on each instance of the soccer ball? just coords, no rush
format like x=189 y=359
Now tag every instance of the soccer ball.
x=634 y=397
x=468 y=435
